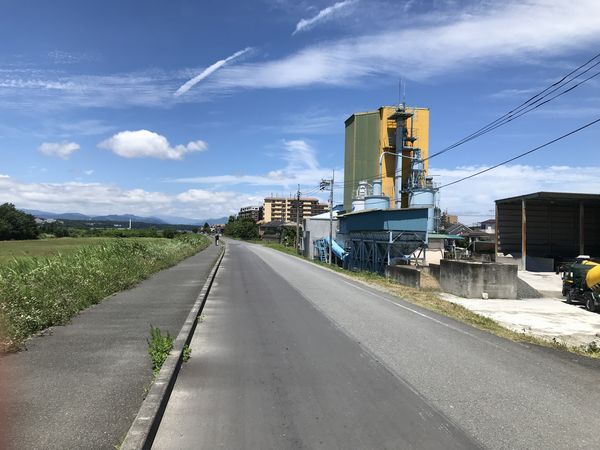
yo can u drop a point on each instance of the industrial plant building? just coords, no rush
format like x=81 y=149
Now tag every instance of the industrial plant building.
x=289 y=209
x=389 y=200
x=371 y=142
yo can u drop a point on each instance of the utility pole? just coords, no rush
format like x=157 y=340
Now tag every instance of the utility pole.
x=298 y=220
x=331 y=215
x=323 y=186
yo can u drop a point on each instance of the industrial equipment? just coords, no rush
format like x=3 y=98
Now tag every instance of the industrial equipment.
x=581 y=282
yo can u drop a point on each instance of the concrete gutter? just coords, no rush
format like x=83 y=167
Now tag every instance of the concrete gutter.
x=144 y=427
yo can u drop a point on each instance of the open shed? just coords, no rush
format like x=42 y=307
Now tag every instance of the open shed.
x=544 y=229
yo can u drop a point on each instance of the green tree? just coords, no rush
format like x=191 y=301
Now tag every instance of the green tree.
x=206 y=227
x=245 y=229
x=15 y=224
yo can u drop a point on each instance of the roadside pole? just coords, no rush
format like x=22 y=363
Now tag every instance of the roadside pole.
x=331 y=215
x=328 y=184
x=298 y=220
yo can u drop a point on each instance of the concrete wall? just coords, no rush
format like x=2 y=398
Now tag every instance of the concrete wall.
x=471 y=279
x=433 y=270
x=315 y=229
x=406 y=275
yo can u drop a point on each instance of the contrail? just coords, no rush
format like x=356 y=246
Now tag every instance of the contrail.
x=324 y=14
x=208 y=71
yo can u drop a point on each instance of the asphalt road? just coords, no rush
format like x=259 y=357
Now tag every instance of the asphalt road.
x=81 y=386
x=289 y=355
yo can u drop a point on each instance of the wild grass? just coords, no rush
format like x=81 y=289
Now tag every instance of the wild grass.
x=159 y=346
x=36 y=293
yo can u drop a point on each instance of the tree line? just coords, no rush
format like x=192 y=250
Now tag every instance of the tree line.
x=18 y=225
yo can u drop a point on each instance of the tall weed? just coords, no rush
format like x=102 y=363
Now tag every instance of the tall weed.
x=36 y=293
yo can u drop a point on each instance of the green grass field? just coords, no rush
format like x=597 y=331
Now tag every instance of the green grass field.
x=43 y=247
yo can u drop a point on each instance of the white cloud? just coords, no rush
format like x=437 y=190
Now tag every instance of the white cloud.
x=59 y=149
x=208 y=71
x=144 y=143
x=98 y=199
x=448 y=37
x=473 y=199
x=466 y=40
x=88 y=172
x=88 y=127
x=301 y=168
x=323 y=15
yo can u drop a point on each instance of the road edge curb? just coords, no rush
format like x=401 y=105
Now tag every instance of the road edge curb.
x=143 y=430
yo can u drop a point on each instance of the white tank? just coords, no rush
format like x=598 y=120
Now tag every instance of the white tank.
x=377 y=202
x=422 y=199
x=358 y=204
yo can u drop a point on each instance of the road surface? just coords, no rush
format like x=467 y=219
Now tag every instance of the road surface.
x=289 y=355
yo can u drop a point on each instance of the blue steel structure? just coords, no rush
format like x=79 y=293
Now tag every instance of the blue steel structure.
x=322 y=249
x=376 y=238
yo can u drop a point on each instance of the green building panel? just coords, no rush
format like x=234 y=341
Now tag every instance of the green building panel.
x=361 y=156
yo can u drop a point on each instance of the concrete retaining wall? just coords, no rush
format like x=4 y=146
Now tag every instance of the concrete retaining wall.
x=406 y=275
x=433 y=270
x=471 y=279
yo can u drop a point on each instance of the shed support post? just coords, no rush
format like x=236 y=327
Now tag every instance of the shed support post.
x=524 y=234
x=496 y=233
x=581 y=228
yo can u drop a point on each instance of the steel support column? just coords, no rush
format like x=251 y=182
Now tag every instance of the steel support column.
x=524 y=234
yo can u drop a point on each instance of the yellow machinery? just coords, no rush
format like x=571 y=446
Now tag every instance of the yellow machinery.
x=581 y=282
x=592 y=279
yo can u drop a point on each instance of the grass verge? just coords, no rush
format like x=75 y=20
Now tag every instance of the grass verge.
x=36 y=293
x=428 y=298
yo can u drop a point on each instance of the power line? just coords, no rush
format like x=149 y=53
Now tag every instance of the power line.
x=520 y=113
x=522 y=154
x=528 y=105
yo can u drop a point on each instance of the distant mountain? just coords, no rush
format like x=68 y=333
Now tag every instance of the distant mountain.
x=126 y=218
x=157 y=220
x=177 y=220
x=72 y=216
x=51 y=215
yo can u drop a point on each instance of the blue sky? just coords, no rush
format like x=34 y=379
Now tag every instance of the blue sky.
x=196 y=108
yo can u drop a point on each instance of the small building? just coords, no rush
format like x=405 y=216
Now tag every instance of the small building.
x=459 y=229
x=544 y=229
x=315 y=228
x=487 y=226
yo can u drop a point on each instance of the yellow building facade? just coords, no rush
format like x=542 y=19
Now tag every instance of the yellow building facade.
x=368 y=136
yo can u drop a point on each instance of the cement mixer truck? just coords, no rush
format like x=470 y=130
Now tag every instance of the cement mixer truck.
x=581 y=282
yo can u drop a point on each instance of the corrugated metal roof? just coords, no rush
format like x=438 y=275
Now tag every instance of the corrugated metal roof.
x=445 y=236
x=551 y=196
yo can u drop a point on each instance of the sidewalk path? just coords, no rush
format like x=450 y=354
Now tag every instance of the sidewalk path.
x=81 y=386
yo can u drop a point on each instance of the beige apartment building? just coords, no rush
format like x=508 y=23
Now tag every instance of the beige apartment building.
x=284 y=209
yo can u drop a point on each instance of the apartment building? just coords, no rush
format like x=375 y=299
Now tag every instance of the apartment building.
x=251 y=212
x=286 y=209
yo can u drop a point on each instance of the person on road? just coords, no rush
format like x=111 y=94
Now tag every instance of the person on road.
x=217 y=239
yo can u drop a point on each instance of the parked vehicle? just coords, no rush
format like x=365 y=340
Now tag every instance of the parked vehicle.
x=581 y=282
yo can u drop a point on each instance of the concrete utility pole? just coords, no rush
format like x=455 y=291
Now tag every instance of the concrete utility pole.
x=323 y=186
x=331 y=215
x=298 y=220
